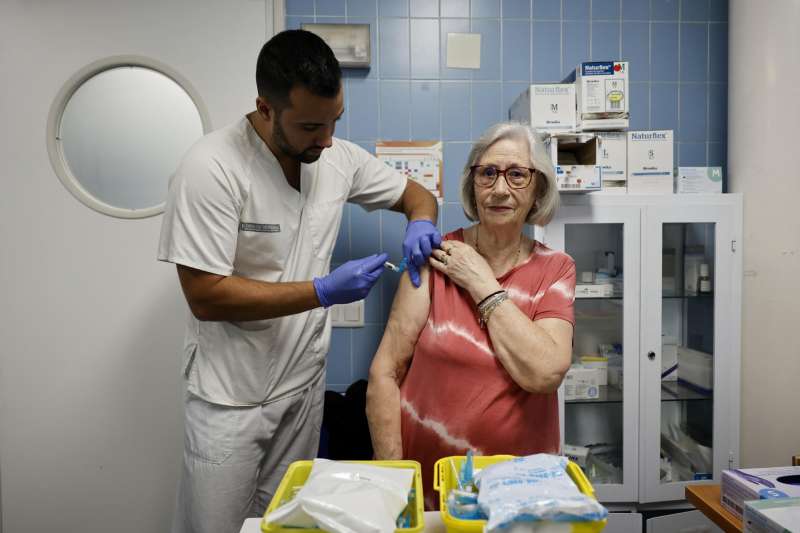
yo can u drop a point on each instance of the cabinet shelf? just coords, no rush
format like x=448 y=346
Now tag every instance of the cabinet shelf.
x=682 y=296
x=672 y=391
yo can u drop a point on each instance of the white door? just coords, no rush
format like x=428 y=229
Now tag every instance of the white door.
x=688 y=346
x=600 y=425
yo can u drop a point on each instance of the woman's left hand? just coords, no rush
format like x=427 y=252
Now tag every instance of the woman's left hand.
x=466 y=267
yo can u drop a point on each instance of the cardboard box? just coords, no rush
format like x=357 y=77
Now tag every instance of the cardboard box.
x=601 y=92
x=546 y=107
x=574 y=156
x=780 y=515
x=739 y=486
x=581 y=383
x=691 y=180
x=650 y=156
x=612 y=156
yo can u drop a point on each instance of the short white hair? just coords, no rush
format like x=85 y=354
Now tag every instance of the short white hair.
x=545 y=202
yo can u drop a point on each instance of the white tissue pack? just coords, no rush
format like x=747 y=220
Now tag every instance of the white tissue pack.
x=346 y=497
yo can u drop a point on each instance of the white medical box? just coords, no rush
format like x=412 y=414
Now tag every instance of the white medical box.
x=546 y=107
x=669 y=361
x=594 y=290
x=601 y=93
x=741 y=485
x=581 y=383
x=698 y=180
x=576 y=454
x=574 y=156
x=612 y=156
x=780 y=515
x=650 y=156
x=696 y=369
x=598 y=362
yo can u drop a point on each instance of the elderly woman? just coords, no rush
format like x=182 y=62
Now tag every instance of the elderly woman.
x=472 y=359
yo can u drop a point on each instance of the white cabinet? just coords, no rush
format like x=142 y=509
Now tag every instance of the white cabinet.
x=659 y=302
x=688 y=522
x=624 y=523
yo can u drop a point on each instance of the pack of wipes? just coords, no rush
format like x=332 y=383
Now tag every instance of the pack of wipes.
x=533 y=489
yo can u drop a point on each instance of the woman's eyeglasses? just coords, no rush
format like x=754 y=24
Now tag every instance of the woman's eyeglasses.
x=516 y=177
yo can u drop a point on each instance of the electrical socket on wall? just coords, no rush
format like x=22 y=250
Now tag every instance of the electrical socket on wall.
x=348 y=315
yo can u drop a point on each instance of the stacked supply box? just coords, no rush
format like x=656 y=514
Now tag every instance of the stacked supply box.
x=581 y=383
x=650 y=162
x=741 y=485
x=546 y=107
x=780 y=515
x=574 y=156
x=698 y=180
x=601 y=92
x=612 y=156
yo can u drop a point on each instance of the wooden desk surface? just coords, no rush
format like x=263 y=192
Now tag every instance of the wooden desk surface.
x=707 y=500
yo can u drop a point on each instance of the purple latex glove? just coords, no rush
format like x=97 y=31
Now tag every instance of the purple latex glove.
x=421 y=238
x=351 y=281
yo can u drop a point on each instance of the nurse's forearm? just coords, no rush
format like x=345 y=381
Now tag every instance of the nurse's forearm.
x=232 y=298
x=417 y=203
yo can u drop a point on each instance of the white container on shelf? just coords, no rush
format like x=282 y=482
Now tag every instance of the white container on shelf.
x=696 y=368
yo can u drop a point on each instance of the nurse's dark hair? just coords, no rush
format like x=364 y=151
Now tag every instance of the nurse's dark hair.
x=296 y=57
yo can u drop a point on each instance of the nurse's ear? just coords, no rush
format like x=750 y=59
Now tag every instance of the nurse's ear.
x=265 y=110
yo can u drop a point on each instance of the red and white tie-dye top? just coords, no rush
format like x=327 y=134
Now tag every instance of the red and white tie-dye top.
x=456 y=395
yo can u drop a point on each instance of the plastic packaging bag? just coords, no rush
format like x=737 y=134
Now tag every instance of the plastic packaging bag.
x=533 y=488
x=347 y=498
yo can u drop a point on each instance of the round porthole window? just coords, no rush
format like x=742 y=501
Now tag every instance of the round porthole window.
x=117 y=131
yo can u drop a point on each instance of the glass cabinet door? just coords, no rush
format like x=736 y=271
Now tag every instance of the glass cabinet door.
x=600 y=389
x=686 y=266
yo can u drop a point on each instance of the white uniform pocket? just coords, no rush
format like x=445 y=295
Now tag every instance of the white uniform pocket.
x=324 y=220
x=211 y=429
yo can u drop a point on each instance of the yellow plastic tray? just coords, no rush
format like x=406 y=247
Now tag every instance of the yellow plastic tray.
x=444 y=482
x=298 y=473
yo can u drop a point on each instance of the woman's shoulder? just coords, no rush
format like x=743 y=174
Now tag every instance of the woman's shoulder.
x=555 y=258
x=455 y=235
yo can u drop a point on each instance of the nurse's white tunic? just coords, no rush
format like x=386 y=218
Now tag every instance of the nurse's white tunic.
x=230 y=211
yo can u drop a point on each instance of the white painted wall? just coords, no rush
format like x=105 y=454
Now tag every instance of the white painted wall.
x=91 y=325
x=764 y=114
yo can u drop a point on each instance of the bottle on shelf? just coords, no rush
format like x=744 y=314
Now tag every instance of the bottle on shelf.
x=704 y=283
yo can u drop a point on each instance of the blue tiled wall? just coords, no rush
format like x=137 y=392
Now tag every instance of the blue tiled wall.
x=678 y=52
